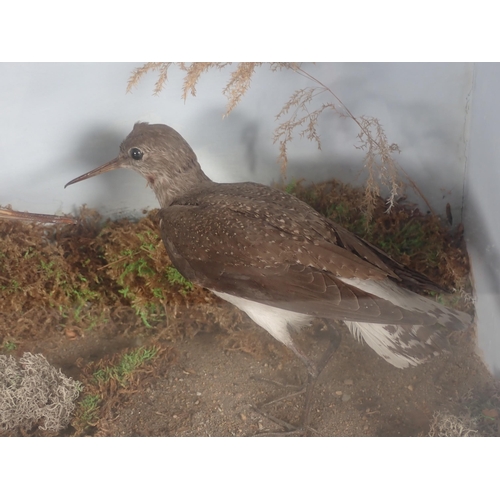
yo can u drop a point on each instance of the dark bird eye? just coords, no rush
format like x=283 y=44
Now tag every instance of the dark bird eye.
x=136 y=154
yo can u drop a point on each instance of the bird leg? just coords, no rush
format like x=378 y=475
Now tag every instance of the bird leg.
x=314 y=370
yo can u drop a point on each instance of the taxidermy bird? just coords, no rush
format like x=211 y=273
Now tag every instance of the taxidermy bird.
x=281 y=262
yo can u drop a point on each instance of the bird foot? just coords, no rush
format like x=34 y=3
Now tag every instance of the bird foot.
x=299 y=389
x=289 y=429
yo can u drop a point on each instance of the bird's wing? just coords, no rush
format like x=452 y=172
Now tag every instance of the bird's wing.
x=282 y=254
x=406 y=276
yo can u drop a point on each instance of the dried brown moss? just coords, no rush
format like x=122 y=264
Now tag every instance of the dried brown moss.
x=100 y=277
x=110 y=380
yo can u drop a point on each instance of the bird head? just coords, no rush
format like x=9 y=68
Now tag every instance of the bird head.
x=160 y=155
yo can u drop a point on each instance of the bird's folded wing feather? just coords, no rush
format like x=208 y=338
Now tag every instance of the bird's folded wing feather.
x=286 y=255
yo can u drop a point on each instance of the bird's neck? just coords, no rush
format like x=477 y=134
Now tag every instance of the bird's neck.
x=167 y=189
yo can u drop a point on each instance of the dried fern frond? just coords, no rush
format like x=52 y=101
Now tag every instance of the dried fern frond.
x=193 y=74
x=381 y=166
x=379 y=161
x=301 y=118
x=238 y=84
x=138 y=73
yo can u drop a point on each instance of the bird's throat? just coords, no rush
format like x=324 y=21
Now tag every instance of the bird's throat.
x=167 y=190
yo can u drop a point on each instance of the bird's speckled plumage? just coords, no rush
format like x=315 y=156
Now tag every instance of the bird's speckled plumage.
x=275 y=257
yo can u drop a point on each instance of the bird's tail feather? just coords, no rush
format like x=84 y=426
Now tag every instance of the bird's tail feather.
x=401 y=345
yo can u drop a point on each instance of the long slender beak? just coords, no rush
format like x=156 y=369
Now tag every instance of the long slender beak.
x=111 y=165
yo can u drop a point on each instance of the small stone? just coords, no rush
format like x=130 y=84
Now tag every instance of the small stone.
x=243 y=417
x=338 y=393
x=410 y=387
x=260 y=426
x=71 y=334
x=348 y=381
x=346 y=397
x=491 y=413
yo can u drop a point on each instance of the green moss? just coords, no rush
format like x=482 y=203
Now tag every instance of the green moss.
x=124 y=368
x=8 y=346
x=88 y=410
x=175 y=278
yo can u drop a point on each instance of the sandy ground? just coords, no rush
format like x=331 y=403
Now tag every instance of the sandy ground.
x=207 y=389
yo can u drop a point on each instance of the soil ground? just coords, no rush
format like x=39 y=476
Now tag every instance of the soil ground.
x=209 y=390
